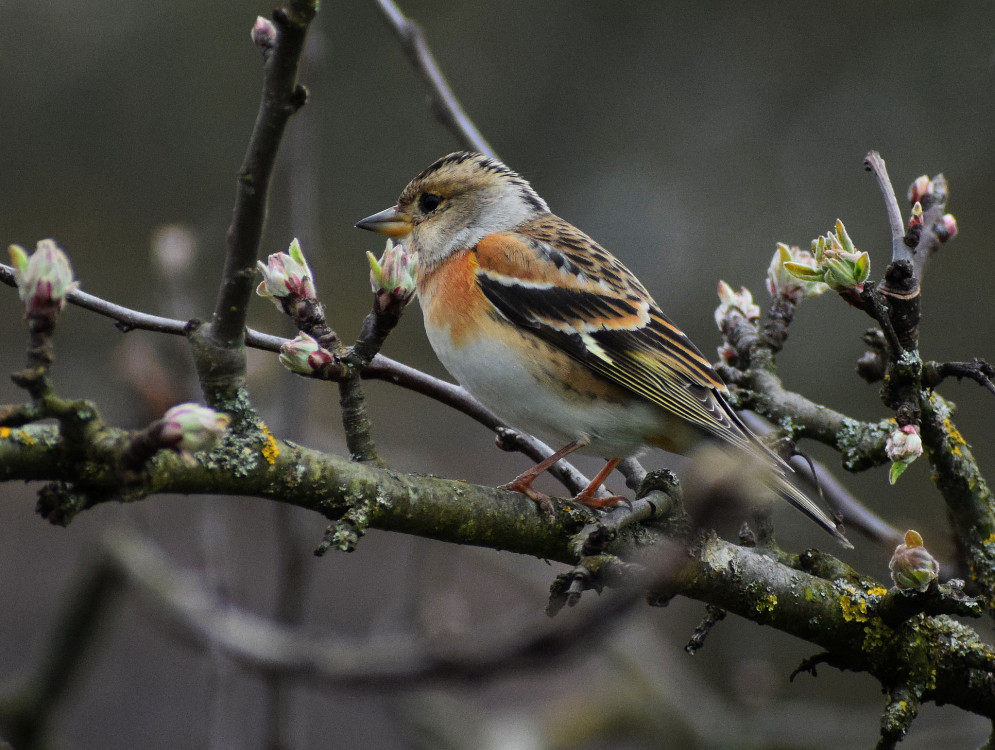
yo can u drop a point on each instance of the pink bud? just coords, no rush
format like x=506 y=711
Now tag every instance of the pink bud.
x=264 y=35
x=946 y=228
x=44 y=279
x=191 y=427
x=920 y=189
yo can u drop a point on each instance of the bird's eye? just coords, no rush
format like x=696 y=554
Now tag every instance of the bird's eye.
x=428 y=202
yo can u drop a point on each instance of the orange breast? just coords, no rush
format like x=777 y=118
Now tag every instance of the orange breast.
x=451 y=298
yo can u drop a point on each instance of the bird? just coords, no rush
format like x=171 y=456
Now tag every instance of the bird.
x=553 y=333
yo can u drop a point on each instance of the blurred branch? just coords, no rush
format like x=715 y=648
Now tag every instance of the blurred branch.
x=444 y=103
x=26 y=713
x=856 y=515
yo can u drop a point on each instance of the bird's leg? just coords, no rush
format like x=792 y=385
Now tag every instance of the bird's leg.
x=523 y=482
x=587 y=495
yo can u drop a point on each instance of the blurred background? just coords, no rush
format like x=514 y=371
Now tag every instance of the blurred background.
x=688 y=138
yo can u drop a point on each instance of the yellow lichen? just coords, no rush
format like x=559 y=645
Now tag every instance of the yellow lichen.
x=954 y=439
x=766 y=603
x=26 y=438
x=990 y=539
x=271 y=450
x=853 y=610
x=875 y=633
x=4 y=432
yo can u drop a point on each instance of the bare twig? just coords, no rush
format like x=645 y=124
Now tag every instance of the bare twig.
x=713 y=615
x=444 y=102
x=875 y=164
x=934 y=373
x=282 y=96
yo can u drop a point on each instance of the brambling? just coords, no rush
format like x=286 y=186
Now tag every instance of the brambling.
x=552 y=333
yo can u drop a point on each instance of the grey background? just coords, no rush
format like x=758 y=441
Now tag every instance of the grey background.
x=688 y=138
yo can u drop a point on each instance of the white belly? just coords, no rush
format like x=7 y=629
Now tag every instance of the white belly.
x=513 y=390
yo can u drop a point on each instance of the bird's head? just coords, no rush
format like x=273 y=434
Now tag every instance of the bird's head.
x=456 y=202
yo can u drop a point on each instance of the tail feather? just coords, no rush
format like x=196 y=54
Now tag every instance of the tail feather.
x=800 y=500
x=780 y=470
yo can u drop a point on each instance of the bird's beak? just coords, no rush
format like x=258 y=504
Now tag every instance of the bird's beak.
x=390 y=221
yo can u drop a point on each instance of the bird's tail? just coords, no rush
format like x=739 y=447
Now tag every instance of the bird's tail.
x=803 y=502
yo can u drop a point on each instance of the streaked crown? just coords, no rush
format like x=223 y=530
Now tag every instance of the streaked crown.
x=462 y=198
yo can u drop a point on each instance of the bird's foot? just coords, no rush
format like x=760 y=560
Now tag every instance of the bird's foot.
x=544 y=503
x=600 y=503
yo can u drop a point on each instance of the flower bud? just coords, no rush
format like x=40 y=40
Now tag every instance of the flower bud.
x=304 y=355
x=192 y=427
x=781 y=282
x=43 y=279
x=903 y=446
x=920 y=189
x=915 y=220
x=733 y=303
x=286 y=278
x=264 y=35
x=946 y=228
x=912 y=567
x=394 y=273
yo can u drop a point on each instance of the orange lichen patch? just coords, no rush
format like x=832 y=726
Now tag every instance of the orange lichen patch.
x=271 y=449
x=4 y=432
x=451 y=297
x=877 y=591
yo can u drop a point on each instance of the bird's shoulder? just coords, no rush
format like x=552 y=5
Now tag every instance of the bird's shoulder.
x=550 y=252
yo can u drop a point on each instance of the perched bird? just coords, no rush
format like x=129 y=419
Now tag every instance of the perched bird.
x=552 y=333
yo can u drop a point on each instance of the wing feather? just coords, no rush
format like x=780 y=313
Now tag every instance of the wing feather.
x=602 y=316
x=552 y=279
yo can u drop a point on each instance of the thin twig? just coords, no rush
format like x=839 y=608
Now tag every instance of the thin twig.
x=444 y=102
x=934 y=373
x=875 y=164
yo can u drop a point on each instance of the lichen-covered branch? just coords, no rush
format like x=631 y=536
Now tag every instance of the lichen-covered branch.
x=968 y=497
x=812 y=597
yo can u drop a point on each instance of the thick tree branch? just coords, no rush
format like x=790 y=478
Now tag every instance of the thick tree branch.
x=959 y=479
x=837 y=612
